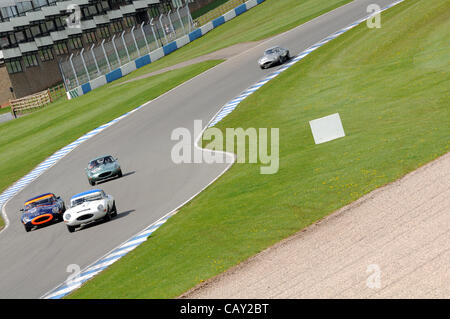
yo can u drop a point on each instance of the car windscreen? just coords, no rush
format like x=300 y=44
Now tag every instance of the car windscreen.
x=93 y=164
x=90 y=198
x=271 y=51
x=42 y=202
x=108 y=160
x=100 y=161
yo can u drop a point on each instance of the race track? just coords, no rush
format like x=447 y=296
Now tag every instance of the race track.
x=33 y=263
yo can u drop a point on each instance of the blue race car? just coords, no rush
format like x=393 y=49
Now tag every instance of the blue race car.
x=42 y=210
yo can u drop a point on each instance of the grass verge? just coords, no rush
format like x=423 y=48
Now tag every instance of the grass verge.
x=389 y=86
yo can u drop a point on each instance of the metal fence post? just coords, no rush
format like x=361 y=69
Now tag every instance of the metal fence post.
x=135 y=42
x=115 y=50
x=62 y=75
x=145 y=38
x=191 y=22
x=154 y=35
x=73 y=69
x=84 y=64
x=162 y=27
x=125 y=45
x=181 y=21
x=95 y=59
x=172 y=30
x=106 y=57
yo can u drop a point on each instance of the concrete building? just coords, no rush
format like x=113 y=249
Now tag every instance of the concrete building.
x=35 y=34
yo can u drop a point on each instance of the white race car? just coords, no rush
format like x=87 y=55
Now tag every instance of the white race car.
x=88 y=207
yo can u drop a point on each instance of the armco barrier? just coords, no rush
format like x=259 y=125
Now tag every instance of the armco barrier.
x=159 y=53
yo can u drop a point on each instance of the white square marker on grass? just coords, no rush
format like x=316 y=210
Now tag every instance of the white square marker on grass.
x=327 y=128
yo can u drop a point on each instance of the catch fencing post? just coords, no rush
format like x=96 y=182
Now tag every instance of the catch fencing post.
x=73 y=69
x=135 y=42
x=106 y=57
x=191 y=22
x=145 y=38
x=172 y=30
x=84 y=64
x=62 y=74
x=125 y=45
x=154 y=35
x=181 y=21
x=162 y=27
x=115 y=50
x=95 y=59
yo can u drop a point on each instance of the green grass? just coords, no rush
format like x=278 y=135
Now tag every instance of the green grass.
x=27 y=141
x=256 y=24
x=207 y=8
x=5 y=110
x=389 y=85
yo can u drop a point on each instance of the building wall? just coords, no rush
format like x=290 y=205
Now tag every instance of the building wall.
x=36 y=78
x=5 y=84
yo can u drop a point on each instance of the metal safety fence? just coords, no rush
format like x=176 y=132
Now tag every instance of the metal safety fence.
x=102 y=58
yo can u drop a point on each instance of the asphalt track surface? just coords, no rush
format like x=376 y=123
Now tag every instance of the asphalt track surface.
x=6 y=117
x=33 y=263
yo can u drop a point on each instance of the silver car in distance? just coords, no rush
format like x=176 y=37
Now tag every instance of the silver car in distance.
x=273 y=56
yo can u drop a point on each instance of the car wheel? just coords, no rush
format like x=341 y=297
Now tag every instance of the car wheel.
x=71 y=228
x=114 y=210
x=107 y=217
x=120 y=173
x=59 y=217
x=91 y=182
x=27 y=228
